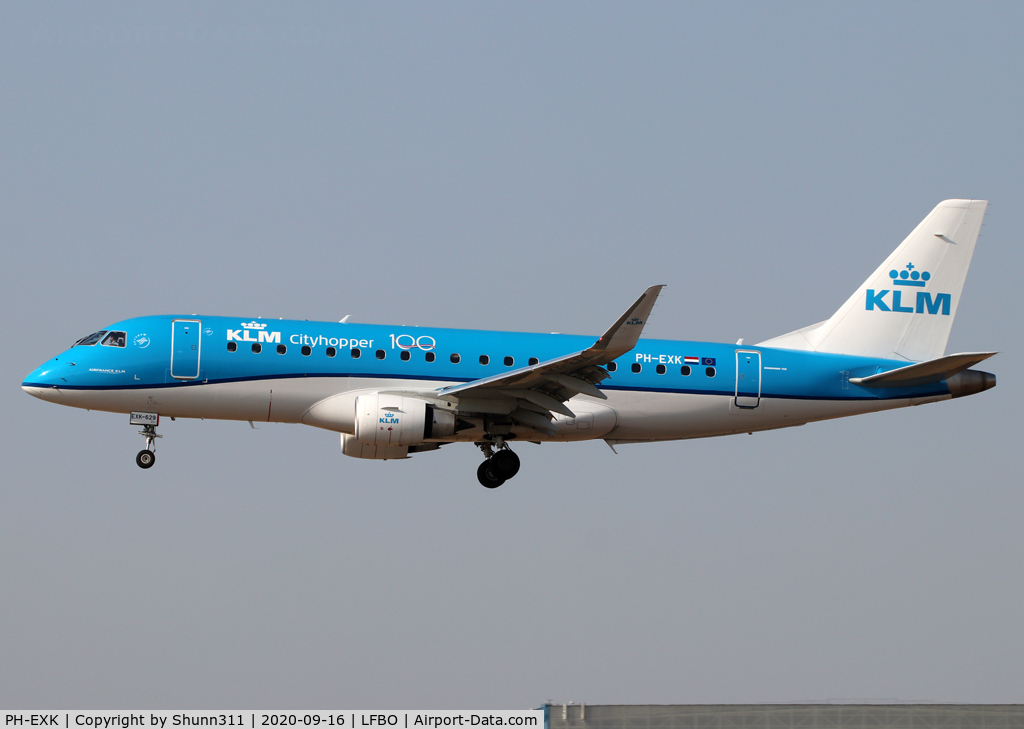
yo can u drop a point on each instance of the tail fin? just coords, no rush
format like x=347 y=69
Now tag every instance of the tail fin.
x=906 y=307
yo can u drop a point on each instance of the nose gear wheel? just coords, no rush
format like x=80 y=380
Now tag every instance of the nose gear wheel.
x=146 y=458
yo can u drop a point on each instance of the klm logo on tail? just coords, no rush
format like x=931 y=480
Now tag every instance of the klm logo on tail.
x=909 y=277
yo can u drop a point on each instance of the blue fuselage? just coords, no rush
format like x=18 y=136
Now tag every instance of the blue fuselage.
x=171 y=353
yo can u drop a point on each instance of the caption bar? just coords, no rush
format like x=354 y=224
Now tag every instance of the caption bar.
x=258 y=719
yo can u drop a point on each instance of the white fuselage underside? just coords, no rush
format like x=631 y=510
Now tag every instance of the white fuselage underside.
x=626 y=416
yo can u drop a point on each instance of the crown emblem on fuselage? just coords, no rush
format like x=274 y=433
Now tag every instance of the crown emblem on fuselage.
x=253 y=325
x=910 y=276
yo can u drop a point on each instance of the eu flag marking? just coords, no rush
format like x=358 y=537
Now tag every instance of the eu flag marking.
x=709 y=361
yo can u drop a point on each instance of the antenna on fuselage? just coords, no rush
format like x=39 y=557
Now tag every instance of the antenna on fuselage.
x=344 y=319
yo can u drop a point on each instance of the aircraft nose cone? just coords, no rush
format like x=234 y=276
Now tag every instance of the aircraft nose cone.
x=35 y=391
x=44 y=381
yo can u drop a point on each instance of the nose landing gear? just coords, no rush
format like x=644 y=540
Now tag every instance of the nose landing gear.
x=146 y=458
x=498 y=467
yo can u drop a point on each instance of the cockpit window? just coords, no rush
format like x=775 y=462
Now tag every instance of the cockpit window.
x=91 y=339
x=114 y=339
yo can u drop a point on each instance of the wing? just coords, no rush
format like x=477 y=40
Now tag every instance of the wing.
x=529 y=395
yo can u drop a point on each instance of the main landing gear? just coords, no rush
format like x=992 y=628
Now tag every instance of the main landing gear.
x=146 y=458
x=499 y=467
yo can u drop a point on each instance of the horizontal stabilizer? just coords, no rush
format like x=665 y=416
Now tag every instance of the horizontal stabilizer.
x=924 y=373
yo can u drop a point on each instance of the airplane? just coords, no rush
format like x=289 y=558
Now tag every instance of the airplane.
x=392 y=391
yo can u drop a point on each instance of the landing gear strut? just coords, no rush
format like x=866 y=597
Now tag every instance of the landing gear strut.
x=499 y=466
x=146 y=458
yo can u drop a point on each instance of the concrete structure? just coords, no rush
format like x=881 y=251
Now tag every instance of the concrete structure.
x=784 y=716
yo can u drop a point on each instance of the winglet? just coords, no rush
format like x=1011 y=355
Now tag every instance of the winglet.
x=623 y=335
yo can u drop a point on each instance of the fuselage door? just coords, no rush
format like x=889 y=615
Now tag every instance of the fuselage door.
x=185 y=348
x=748 y=378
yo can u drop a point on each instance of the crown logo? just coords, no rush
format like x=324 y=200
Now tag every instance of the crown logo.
x=910 y=276
x=253 y=325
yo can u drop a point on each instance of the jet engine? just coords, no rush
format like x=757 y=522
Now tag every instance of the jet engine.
x=383 y=419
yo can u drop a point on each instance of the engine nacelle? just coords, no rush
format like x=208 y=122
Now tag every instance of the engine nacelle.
x=357 y=449
x=395 y=420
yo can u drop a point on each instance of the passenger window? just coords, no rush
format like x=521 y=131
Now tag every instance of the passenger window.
x=91 y=339
x=484 y=359
x=405 y=355
x=281 y=349
x=381 y=354
x=356 y=353
x=685 y=371
x=636 y=367
x=611 y=367
x=532 y=361
x=257 y=348
x=331 y=351
x=114 y=339
x=660 y=369
x=430 y=356
x=232 y=346
x=306 y=351
x=710 y=372
x=509 y=361
x=455 y=358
